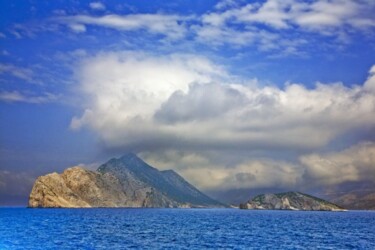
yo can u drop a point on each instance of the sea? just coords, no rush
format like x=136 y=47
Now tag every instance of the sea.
x=142 y=228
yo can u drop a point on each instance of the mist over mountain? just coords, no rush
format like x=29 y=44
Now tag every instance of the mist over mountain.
x=352 y=195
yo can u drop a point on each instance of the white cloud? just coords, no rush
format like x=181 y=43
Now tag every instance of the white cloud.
x=208 y=173
x=330 y=14
x=284 y=26
x=266 y=117
x=226 y=4
x=168 y=25
x=335 y=18
x=16 y=96
x=370 y=82
x=272 y=13
x=250 y=174
x=78 y=28
x=97 y=6
x=264 y=40
x=281 y=14
x=21 y=73
x=187 y=113
x=356 y=163
x=135 y=85
x=208 y=170
x=140 y=101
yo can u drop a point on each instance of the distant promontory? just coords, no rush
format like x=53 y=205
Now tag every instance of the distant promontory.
x=290 y=201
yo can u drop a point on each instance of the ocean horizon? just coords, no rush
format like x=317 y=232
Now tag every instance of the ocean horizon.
x=161 y=228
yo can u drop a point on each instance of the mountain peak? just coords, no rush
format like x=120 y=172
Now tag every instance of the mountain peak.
x=124 y=182
x=128 y=156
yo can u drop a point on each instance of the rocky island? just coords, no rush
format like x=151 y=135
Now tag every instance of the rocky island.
x=290 y=201
x=124 y=182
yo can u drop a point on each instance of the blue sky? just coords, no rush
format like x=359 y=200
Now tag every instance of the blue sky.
x=250 y=94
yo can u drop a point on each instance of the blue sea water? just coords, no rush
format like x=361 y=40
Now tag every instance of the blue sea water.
x=22 y=228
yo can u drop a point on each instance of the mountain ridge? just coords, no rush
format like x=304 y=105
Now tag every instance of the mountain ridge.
x=124 y=182
x=291 y=200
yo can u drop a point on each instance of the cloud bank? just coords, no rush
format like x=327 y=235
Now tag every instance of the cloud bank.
x=210 y=172
x=139 y=101
x=189 y=110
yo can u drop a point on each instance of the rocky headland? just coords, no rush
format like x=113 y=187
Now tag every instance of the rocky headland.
x=290 y=201
x=124 y=182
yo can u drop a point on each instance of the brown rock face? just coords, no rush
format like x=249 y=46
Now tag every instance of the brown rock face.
x=124 y=182
x=77 y=187
x=290 y=201
x=51 y=191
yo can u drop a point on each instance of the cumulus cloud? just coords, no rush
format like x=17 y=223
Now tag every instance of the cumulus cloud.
x=356 y=163
x=187 y=113
x=202 y=102
x=134 y=85
x=137 y=101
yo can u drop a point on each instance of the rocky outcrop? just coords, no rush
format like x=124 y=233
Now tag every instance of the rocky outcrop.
x=290 y=201
x=124 y=182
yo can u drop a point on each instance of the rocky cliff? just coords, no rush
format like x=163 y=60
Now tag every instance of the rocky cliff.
x=124 y=182
x=290 y=201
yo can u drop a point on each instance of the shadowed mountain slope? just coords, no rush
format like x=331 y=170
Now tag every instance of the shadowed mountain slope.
x=124 y=182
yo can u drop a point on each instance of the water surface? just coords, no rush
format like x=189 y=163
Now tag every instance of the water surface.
x=22 y=228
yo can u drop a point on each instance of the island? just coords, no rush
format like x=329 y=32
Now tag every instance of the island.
x=290 y=201
x=124 y=182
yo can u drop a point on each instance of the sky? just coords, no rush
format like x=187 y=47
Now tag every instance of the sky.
x=236 y=96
